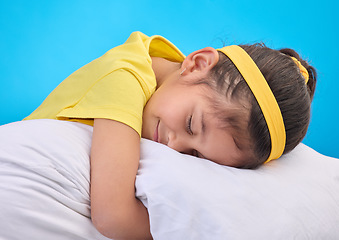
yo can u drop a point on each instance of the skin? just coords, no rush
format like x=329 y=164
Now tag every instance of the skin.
x=177 y=115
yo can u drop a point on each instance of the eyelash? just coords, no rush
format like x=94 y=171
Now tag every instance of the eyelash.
x=190 y=132
x=189 y=126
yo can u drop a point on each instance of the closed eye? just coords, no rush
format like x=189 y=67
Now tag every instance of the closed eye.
x=189 y=126
x=195 y=153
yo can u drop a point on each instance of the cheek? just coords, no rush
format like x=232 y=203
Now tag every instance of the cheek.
x=155 y=108
x=170 y=105
x=164 y=103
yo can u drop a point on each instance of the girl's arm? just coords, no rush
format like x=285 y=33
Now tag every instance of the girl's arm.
x=115 y=153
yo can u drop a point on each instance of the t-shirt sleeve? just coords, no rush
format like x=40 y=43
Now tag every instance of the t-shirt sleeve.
x=117 y=96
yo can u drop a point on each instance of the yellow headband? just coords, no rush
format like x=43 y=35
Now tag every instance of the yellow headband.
x=264 y=96
x=302 y=69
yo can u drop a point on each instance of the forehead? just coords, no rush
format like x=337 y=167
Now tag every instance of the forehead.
x=218 y=143
x=226 y=140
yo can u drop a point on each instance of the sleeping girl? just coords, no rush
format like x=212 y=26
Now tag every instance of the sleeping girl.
x=240 y=106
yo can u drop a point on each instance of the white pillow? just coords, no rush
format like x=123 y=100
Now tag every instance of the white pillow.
x=295 y=197
x=44 y=189
x=44 y=181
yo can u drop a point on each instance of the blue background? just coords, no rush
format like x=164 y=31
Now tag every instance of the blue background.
x=42 y=42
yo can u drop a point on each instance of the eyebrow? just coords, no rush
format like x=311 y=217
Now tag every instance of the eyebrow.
x=203 y=126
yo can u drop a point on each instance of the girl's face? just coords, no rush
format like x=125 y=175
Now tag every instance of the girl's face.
x=179 y=116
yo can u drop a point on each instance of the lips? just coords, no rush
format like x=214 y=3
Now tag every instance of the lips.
x=156 y=133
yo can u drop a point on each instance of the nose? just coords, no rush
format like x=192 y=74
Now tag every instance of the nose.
x=179 y=143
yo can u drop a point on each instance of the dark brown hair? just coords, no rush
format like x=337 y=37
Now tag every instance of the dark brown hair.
x=288 y=86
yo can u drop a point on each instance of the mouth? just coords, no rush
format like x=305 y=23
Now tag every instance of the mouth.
x=156 y=133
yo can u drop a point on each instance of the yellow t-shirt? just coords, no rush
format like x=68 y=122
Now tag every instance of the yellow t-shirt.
x=115 y=86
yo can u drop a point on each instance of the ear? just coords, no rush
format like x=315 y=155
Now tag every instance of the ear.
x=200 y=61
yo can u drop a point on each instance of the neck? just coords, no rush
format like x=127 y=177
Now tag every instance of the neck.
x=163 y=69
